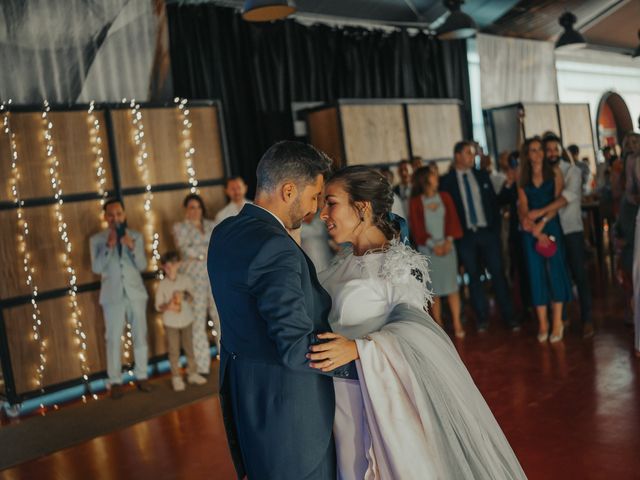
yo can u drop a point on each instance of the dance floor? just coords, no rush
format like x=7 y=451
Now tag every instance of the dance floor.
x=570 y=410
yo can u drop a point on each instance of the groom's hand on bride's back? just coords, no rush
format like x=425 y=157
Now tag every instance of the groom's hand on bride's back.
x=334 y=352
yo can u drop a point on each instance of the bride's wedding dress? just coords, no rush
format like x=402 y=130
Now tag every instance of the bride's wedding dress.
x=415 y=413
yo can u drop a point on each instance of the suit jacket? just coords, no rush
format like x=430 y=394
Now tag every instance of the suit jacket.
x=491 y=202
x=452 y=227
x=278 y=412
x=120 y=274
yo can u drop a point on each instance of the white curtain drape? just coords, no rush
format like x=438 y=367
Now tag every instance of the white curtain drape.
x=514 y=70
x=81 y=50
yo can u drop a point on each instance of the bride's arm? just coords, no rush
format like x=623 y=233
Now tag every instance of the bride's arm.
x=335 y=352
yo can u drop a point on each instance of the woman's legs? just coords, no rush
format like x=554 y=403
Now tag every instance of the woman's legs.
x=543 y=322
x=556 y=315
x=454 y=305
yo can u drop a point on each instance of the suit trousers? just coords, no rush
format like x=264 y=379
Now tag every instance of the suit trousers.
x=574 y=248
x=484 y=245
x=115 y=316
x=177 y=337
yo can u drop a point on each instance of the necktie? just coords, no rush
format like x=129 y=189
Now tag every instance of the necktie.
x=470 y=207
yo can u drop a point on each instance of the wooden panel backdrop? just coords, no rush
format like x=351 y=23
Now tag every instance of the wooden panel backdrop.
x=576 y=129
x=373 y=134
x=324 y=133
x=71 y=134
x=540 y=118
x=435 y=129
x=163 y=134
x=72 y=144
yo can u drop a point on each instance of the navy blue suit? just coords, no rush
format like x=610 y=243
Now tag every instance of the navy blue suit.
x=278 y=411
x=482 y=243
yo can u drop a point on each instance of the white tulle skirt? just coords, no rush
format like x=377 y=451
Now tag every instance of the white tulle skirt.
x=415 y=413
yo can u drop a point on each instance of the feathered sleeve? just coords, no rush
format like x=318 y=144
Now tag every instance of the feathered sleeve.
x=407 y=275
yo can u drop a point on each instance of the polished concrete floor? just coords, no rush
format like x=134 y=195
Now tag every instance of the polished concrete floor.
x=570 y=411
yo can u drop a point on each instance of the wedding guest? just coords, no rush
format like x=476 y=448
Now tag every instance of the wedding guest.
x=398 y=207
x=543 y=243
x=416 y=162
x=478 y=208
x=174 y=297
x=435 y=225
x=497 y=176
x=117 y=255
x=517 y=264
x=631 y=156
x=192 y=239
x=235 y=189
x=405 y=187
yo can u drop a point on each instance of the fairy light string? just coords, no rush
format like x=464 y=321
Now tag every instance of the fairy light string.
x=23 y=236
x=187 y=142
x=95 y=138
x=141 y=157
x=72 y=279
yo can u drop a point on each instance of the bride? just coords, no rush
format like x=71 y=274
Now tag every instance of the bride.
x=415 y=412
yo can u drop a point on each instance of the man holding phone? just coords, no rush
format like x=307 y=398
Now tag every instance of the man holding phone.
x=117 y=255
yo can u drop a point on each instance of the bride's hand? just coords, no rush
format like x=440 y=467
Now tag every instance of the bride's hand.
x=336 y=352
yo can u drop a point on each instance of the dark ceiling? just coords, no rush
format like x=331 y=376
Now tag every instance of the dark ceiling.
x=609 y=23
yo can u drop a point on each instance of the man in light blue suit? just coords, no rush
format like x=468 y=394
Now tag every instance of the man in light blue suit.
x=117 y=254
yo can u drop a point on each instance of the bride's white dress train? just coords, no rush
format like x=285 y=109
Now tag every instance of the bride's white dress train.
x=415 y=413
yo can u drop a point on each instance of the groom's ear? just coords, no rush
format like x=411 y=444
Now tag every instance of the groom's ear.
x=289 y=192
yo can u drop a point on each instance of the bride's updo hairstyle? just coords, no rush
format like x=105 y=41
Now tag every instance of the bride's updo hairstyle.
x=366 y=184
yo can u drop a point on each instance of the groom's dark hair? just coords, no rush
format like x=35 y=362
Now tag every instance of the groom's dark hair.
x=296 y=162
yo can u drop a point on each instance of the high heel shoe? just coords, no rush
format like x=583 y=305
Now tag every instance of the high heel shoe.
x=557 y=338
x=543 y=337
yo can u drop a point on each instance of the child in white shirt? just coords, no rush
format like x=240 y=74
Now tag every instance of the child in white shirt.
x=173 y=299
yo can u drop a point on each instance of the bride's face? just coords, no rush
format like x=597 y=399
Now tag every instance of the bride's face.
x=342 y=219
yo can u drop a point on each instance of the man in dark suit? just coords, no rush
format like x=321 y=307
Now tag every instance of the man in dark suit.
x=278 y=411
x=478 y=208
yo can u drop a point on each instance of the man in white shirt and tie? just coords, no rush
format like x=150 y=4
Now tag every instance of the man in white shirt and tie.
x=235 y=189
x=478 y=208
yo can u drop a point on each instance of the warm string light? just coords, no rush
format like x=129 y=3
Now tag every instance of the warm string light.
x=23 y=235
x=56 y=187
x=96 y=147
x=143 y=169
x=187 y=143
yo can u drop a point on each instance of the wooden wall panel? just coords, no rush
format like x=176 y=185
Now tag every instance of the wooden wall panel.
x=324 y=133
x=57 y=330
x=72 y=146
x=435 y=129
x=163 y=134
x=83 y=220
x=167 y=209
x=576 y=129
x=373 y=134
x=540 y=118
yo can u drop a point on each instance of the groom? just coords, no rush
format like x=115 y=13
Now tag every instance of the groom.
x=278 y=411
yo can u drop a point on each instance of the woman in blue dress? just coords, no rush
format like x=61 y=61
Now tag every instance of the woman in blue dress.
x=539 y=186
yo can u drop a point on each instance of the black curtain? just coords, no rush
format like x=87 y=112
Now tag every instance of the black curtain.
x=257 y=70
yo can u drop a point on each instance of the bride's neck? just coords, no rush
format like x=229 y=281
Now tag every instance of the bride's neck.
x=371 y=239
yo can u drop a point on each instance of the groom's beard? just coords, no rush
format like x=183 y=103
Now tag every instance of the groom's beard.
x=296 y=215
x=553 y=160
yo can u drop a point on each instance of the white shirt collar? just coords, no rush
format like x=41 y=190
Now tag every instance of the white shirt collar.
x=273 y=214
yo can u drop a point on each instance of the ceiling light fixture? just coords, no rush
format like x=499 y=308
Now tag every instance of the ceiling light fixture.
x=267 y=10
x=570 y=38
x=458 y=24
